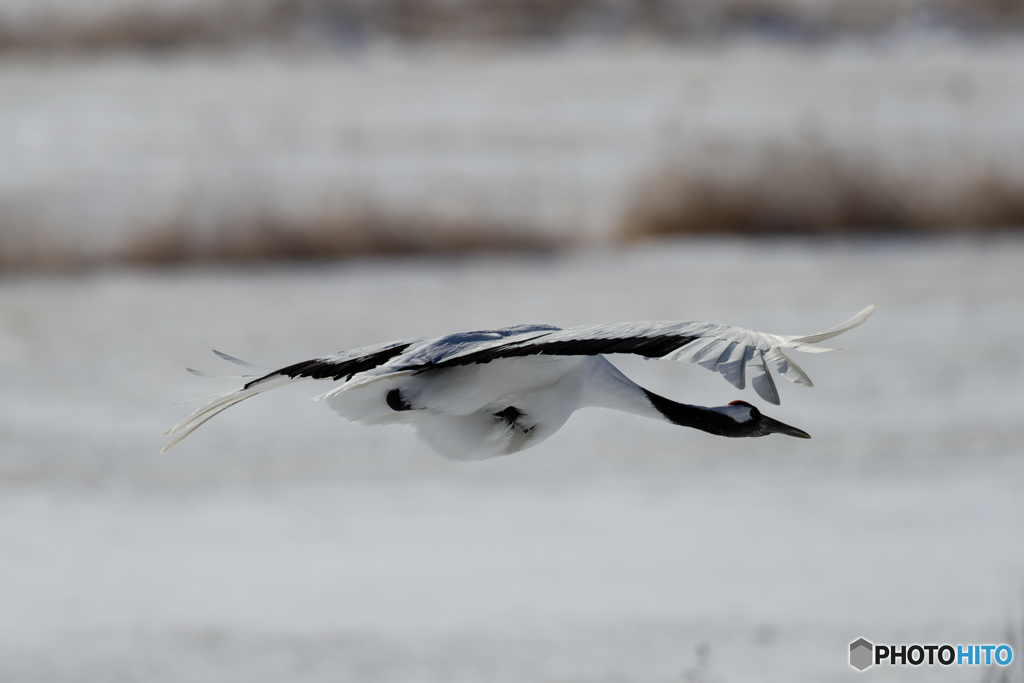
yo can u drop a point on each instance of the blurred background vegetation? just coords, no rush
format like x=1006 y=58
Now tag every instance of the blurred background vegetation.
x=167 y=130
x=176 y=23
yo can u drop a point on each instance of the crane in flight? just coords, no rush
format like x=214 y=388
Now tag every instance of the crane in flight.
x=477 y=395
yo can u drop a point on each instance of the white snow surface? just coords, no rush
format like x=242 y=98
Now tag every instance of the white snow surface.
x=279 y=543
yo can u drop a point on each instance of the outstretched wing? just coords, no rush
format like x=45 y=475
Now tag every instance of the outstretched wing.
x=344 y=364
x=734 y=352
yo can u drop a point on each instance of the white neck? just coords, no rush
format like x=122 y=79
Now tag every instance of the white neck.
x=607 y=387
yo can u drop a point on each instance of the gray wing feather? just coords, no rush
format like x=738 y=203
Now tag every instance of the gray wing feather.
x=727 y=350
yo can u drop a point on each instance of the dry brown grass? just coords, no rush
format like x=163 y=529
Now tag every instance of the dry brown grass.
x=322 y=239
x=818 y=191
x=157 y=23
x=788 y=193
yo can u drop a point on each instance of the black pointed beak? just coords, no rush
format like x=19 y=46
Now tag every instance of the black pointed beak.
x=775 y=427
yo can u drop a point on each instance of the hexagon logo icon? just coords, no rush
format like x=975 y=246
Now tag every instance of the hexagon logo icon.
x=860 y=654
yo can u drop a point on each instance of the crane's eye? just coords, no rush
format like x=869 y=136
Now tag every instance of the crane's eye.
x=755 y=414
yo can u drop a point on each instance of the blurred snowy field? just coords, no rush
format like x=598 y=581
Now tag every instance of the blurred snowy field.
x=281 y=543
x=253 y=153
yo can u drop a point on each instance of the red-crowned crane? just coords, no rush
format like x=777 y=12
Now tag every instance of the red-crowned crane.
x=477 y=395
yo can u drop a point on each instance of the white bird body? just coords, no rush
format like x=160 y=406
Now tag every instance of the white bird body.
x=482 y=394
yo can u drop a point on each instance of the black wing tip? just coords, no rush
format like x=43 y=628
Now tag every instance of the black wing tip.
x=320 y=368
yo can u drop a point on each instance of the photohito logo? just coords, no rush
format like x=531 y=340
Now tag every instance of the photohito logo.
x=864 y=654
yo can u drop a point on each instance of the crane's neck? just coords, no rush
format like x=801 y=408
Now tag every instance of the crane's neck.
x=607 y=387
x=696 y=417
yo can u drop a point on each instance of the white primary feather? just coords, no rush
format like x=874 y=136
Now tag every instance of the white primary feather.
x=220 y=403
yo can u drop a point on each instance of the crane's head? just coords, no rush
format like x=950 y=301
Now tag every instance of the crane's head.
x=750 y=422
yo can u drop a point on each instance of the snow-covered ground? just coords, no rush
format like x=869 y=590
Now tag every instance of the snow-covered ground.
x=246 y=152
x=280 y=543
